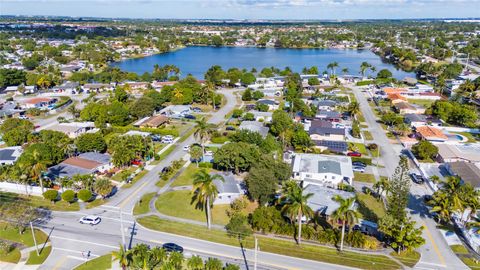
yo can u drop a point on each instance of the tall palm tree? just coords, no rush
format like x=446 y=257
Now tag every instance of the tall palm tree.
x=209 y=89
x=123 y=256
x=442 y=206
x=353 y=108
x=205 y=191
x=332 y=66
x=73 y=111
x=203 y=131
x=373 y=69
x=363 y=67
x=178 y=93
x=295 y=205
x=344 y=71
x=344 y=213
x=383 y=185
x=38 y=168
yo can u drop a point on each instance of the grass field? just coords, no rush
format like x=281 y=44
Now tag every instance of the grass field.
x=101 y=263
x=422 y=102
x=364 y=177
x=135 y=179
x=37 y=201
x=177 y=204
x=284 y=247
x=97 y=202
x=367 y=135
x=369 y=207
x=142 y=206
x=186 y=177
x=11 y=257
x=128 y=171
x=409 y=258
x=12 y=234
x=34 y=259
x=359 y=147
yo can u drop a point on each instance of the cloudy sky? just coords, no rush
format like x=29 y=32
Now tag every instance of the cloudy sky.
x=246 y=9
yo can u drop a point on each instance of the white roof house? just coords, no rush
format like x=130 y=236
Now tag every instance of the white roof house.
x=9 y=155
x=176 y=111
x=324 y=170
x=459 y=152
x=75 y=129
x=255 y=126
x=322 y=200
x=228 y=190
x=262 y=116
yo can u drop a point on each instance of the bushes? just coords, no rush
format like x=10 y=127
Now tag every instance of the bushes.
x=363 y=83
x=366 y=161
x=84 y=195
x=159 y=131
x=68 y=196
x=51 y=195
x=208 y=165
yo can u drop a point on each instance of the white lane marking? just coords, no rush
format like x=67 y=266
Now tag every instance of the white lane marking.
x=75 y=251
x=85 y=242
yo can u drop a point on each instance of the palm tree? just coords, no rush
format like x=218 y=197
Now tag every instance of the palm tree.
x=38 y=168
x=205 y=191
x=213 y=264
x=442 y=206
x=73 y=111
x=176 y=259
x=178 y=93
x=196 y=153
x=344 y=71
x=381 y=186
x=344 y=213
x=195 y=263
x=209 y=90
x=295 y=205
x=123 y=256
x=363 y=67
x=203 y=132
x=353 y=108
x=332 y=66
x=373 y=69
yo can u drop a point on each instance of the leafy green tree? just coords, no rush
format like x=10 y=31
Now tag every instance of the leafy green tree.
x=91 y=142
x=248 y=78
x=261 y=184
x=217 y=41
x=196 y=153
x=424 y=150
x=68 y=196
x=236 y=156
x=10 y=77
x=353 y=108
x=103 y=187
x=313 y=81
x=281 y=124
x=345 y=213
x=205 y=192
x=195 y=263
x=384 y=74
x=399 y=191
x=403 y=235
x=84 y=195
x=142 y=107
x=51 y=195
x=215 y=74
x=294 y=203
x=257 y=95
x=16 y=131
x=238 y=226
x=301 y=139
x=247 y=95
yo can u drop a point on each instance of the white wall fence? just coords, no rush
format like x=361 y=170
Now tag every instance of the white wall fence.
x=20 y=189
x=460 y=129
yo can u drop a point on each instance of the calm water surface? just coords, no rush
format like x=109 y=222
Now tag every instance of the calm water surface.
x=196 y=60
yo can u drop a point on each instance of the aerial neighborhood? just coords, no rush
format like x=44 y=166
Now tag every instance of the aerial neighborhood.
x=366 y=165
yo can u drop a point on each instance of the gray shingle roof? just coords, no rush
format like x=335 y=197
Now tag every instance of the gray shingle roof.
x=98 y=157
x=329 y=166
x=6 y=154
x=321 y=201
x=229 y=185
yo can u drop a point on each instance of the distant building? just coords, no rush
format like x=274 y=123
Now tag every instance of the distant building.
x=97 y=87
x=9 y=109
x=262 y=116
x=322 y=201
x=272 y=104
x=405 y=107
x=9 y=155
x=176 y=111
x=328 y=115
x=431 y=134
x=39 y=102
x=254 y=126
x=448 y=153
x=324 y=170
x=323 y=130
x=340 y=147
x=29 y=89
x=417 y=120
x=86 y=163
x=467 y=172
x=75 y=129
x=228 y=190
x=326 y=105
x=152 y=121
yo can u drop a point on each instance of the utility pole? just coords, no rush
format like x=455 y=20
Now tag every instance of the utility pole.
x=256 y=249
x=34 y=239
x=121 y=228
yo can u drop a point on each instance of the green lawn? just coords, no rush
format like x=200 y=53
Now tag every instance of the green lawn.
x=33 y=258
x=136 y=178
x=364 y=177
x=367 y=135
x=177 y=204
x=284 y=247
x=422 y=102
x=471 y=263
x=408 y=258
x=158 y=146
x=118 y=176
x=11 y=257
x=369 y=207
x=186 y=177
x=359 y=147
x=167 y=152
x=459 y=249
x=37 y=201
x=12 y=234
x=101 y=263
x=97 y=202
x=142 y=206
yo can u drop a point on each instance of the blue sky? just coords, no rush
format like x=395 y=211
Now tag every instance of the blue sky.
x=246 y=9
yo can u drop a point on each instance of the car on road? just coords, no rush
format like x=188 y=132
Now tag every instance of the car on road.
x=137 y=162
x=359 y=164
x=358 y=169
x=92 y=220
x=416 y=178
x=354 y=154
x=156 y=138
x=189 y=116
x=196 y=109
x=186 y=148
x=172 y=247
x=230 y=128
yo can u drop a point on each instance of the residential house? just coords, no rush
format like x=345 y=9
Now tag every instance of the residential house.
x=466 y=171
x=332 y=116
x=228 y=190
x=9 y=155
x=71 y=88
x=255 y=126
x=324 y=170
x=9 y=109
x=396 y=98
x=448 y=153
x=431 y=134
x=75 y=129
x=340 y=147
x=417 y=120
x=326 y=105
x=151 y=121
x=86 y=163
x=320 y=130
x=21 y=90
x=176 y=111
x=410 y=81
x=265 y=117
x=97 y=87
x=405 y=107
x=39 y=102
x=272 y=104
x=321 y=202
x=271 y=92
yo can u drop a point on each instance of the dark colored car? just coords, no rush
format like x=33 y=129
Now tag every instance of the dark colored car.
x=416 y=178
x=359 y=164
x=229 y=128
x=189 y=116
x=196 y=109
x=354 y=154
x=172 y=247
x=156 y=138
x=427 y=198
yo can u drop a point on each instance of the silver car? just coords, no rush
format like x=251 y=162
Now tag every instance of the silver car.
x=92 y=220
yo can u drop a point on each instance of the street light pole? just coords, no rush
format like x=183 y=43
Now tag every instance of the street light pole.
x=34 y=238
x=256 y=249
x=121 y=227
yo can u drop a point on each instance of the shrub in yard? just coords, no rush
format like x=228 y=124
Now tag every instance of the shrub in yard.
x=51 y=195
x=372 y=147
x=84 y=195
x=68 y=196
x=5 y=247
x=205 y=165
x=366 y=161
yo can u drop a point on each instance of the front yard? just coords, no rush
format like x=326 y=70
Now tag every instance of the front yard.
x=37 y=201
x=186 y=177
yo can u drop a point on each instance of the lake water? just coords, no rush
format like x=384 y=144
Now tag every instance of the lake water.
x=196 y=60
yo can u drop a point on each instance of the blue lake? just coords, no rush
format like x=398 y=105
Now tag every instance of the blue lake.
x=196 y=60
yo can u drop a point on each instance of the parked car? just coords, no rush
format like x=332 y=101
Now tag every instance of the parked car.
x=92 y=220
x=416 y=178
x=354 y=154
x=359 y=164
x=427 y=198
x=189 y=116
x=156 y=138
x=172 y=247
x=358 y=169
x=230 y=128
x=186 y=148
x=196 y=109
x=137 y=162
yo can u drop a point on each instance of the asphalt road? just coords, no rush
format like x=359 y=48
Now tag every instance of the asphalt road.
x=70 y=239
x=436 y=254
